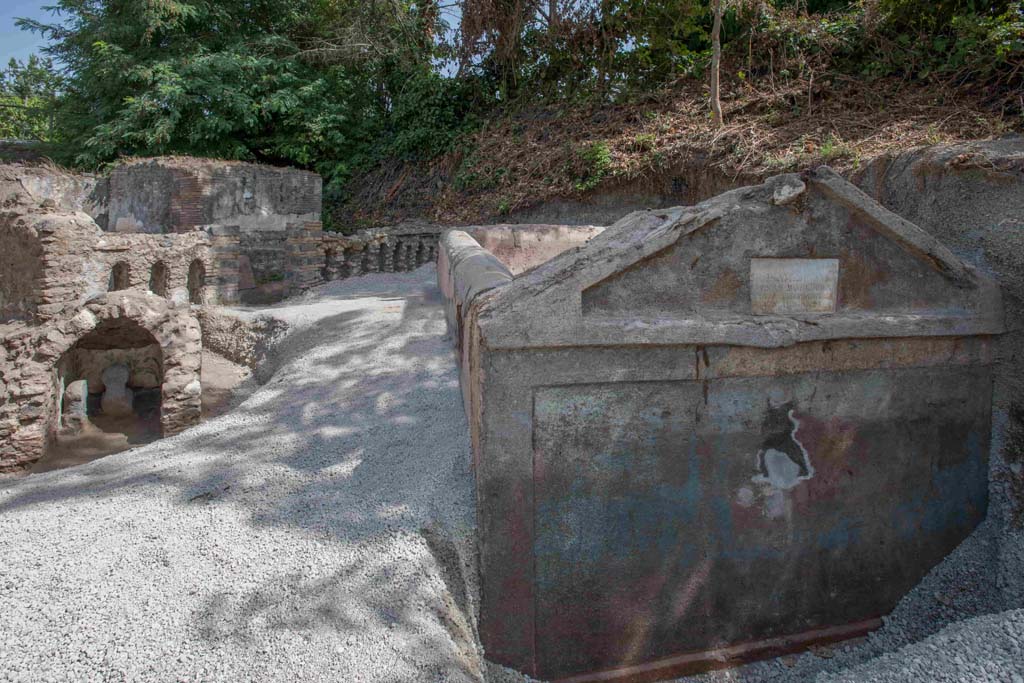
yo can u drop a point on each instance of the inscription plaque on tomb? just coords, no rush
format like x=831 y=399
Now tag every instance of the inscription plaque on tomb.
x=793 y=285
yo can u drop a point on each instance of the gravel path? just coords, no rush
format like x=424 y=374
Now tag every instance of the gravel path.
x=315 y=533
x=322 y=532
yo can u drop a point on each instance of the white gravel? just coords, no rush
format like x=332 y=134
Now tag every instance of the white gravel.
x=316 y=533
x=322 y=532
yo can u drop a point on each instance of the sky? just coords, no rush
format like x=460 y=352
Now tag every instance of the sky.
x=13 y=41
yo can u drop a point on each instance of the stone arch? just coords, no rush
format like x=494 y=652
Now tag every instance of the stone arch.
x=175 y=330
x=197 y=282
x=160 y=279
x=120 y=277
x=118 y=344
x=37 y=367
x=396 y=257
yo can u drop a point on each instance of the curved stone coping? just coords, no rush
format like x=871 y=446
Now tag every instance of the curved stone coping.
x=464 y=270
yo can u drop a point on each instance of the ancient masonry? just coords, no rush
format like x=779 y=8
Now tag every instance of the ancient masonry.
x=104 y=280
x=161 y=240
x=718 y=432
x=156 y=342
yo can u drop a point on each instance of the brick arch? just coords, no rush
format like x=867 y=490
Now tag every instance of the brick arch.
x=178 y=335
x=29 y=369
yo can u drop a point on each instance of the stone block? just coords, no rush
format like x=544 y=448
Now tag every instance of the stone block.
x=118 y=398
x=679 y=447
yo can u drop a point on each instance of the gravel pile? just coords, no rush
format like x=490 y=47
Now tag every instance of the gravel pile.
x=322 y=532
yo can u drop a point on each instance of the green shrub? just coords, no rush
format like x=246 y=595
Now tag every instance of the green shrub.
x=595 y=162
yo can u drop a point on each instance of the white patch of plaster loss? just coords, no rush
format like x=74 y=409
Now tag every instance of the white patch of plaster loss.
x=782 y=462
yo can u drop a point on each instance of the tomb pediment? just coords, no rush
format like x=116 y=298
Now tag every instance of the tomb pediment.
x=798 y=258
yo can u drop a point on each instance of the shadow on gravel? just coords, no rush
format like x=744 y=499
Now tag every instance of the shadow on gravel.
x=359 y=438
x=340 y=444
x=339 y=604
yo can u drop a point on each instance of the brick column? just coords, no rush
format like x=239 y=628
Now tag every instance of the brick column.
x=304 y=255
x=223 y=280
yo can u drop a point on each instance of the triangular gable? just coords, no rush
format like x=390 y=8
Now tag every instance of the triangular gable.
x=704 y=272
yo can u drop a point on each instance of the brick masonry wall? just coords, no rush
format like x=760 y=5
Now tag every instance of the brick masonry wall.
x=30 y=358
x=266 y=254
x=177 y=194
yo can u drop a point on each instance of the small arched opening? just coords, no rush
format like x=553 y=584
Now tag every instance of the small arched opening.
x=159 y=279
x=197 y=282
x=120 y=277
x=109 y=396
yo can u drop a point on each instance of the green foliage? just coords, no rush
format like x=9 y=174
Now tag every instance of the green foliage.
x=28 y=93
x=595 y=163
x=279 y=81
x=645 y=142
x=834 y=148
x=430 y=113
x=32 y=79
x=967 y=39
x=20 y=120
x=342 y=86
x=659 y=40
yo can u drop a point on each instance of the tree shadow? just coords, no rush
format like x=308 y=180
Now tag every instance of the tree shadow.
x=359 y=439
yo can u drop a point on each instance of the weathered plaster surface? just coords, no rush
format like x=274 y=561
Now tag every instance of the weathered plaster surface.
x=179 y=194
x=664 y=472
x=971 y=196
x=35 y=367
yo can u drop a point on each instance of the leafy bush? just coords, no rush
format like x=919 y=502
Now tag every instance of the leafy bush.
x=595 y=162
x=28 y=94
x=344 y=86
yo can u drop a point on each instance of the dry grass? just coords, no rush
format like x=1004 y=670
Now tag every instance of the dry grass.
x=539 y=154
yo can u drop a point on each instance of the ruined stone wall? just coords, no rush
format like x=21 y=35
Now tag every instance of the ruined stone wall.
x=33 y=358
x=142 y=253
x=21 y=268
x=77 y=259
x=243 y=340
x=265 y=254
x=269 y=216
x=58 y=261
x=381 y=250
x=65 y=273
x=274 y=264
x=178 y=194
x=33 y=185
x=27 y=413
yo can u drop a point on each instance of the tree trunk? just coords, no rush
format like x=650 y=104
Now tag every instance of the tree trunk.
x=716 y=63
